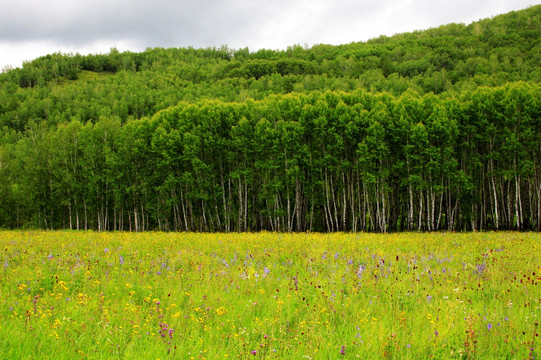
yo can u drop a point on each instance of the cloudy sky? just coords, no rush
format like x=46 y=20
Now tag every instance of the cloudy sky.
x=32 y=28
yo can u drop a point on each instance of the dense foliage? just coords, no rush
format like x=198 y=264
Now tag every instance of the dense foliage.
x=436 y=129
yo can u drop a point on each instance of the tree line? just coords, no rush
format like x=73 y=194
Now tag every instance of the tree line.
x=331 y=161
x=429 y=130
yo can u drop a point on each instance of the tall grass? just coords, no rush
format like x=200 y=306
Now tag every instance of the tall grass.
x=67 y=295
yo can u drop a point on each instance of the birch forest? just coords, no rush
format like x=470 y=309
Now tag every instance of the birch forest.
x=426 y=131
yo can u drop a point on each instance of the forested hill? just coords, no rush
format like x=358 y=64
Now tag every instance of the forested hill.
x=431 y=130
x=59 y=88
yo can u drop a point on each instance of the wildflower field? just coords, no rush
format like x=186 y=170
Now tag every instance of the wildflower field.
x=89 y=295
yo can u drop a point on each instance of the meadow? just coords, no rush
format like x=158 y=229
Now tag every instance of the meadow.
x=90 y=295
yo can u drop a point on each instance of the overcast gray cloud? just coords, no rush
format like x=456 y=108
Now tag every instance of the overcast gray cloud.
x=32 y=28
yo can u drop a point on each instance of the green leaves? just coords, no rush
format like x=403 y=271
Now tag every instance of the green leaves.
x=346 y=137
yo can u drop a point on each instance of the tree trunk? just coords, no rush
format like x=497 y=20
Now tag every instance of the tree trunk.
x=378 y=210
x=496 y=212
x=344 y=199
x=245 y=205
x=183 y=206
x=69 y=210
x=203 y=210
x=410 y=212
x=298 y=204
x=518 y=202
x=384 y=213
x=86 y=215
x=135 y=218
x=420 y=220
x=334 y=205
x=328 y=206
x=440 y=208
x=241 y=212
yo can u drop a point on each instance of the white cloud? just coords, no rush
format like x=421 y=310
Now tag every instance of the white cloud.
x=33 y=28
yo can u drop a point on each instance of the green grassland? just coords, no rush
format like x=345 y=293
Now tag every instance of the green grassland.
x=90 y=295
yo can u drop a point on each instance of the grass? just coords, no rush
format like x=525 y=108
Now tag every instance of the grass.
x=89 y=295
x=86 y=75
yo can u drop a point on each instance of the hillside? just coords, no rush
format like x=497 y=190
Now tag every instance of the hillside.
x=430 y=130
x=61 y=87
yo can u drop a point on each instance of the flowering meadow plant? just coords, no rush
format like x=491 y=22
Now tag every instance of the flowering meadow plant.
x=89 y=295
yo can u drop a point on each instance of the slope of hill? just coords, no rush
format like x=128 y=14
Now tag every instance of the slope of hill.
x=455 y=57
x=436 y=129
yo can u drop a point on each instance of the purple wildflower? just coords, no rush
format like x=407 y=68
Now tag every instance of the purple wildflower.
x=360 y=271
x=253 y=352
x=489 y=326
x=165 y=330
x=343 y=350
x=481 y=268
x=121 y=258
